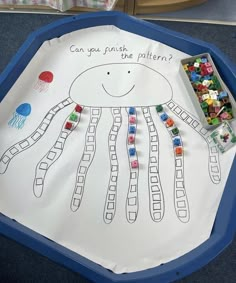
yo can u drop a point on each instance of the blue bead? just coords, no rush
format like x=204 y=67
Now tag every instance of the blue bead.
x=223 y=94
x=132 y=130
x=132 y=151
x=164 y=117
x=131 y=111
x=204 y=60
x=177 y=142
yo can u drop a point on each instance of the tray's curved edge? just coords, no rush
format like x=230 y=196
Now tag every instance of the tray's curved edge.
x=224 y=228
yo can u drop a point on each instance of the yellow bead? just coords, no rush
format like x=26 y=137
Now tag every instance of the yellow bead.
x=186 y=67
x=209 y=101
x=209 y=120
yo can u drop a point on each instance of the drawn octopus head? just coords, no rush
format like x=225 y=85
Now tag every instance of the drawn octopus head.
x=120 y=85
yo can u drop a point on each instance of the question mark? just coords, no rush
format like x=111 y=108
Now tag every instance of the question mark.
x=170 y=57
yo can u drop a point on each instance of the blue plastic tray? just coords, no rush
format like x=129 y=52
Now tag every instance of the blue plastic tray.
x=225 y=225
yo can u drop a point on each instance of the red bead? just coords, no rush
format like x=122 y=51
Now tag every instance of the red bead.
x=68 y=125
x=78 y=108
x=132 y=119
x=131 y=139
x=134 y=164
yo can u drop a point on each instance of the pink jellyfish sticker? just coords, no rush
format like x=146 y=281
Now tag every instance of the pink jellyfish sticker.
x=44 y=79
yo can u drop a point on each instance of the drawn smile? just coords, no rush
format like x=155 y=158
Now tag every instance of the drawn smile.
x=118 y=95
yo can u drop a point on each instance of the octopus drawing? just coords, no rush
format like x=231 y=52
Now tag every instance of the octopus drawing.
x=116 y=88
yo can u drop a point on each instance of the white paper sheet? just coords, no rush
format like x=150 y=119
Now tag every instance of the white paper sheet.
x=77 y=187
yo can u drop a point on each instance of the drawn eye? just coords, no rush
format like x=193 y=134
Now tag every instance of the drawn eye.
x=108 y=73
x=128 y=72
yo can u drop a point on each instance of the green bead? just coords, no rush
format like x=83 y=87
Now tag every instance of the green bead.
x=159 y=108
x=204 y=105
x=215 y=121
x=73 y=117
x=198 y=60
x=175 y=131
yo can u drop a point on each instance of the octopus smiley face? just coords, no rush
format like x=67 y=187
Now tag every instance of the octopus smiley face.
x=121 y=85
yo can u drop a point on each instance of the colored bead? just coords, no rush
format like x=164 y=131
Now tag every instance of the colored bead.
x=185 y=67
x=217 y=109
x=164 y=117
x=132 y=151
x=209 y=120
x=215 y=121
x=216 y=82
x=224 y=115
x=211 y=109
x=178 y=150
x=132 y=130
x=194 y=76
x=204 y=60
x=213 y=96
x=209 y=101
x=159 y=108
x=175 y=131
x=204 y=91
x=209 y=71
x=208 y=64
x=203 y=72
x=216 y=103
x=73 y=117
x=68 y=126
x=177 y=142
x=204 y=105
x=205 y=96
x=213 y=115
x=196 y=64
x=191 y=68
x=201 y=87
x=131 y=111
x=132 y=119
x=78 y=108
x=131 y=139
x=169 y=122
x=206 y=83
x=134 y=164
x=200 y=99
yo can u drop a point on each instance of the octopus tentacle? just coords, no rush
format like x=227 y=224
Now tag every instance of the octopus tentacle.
x=22 y=145
x=87 y=158
x=156 y=196
x=110 y=202
x=132 y=195
x=213 y=160
x=52 y=155
x=180 y=195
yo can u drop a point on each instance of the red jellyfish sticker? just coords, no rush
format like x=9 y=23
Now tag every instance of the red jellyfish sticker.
x=44 y=79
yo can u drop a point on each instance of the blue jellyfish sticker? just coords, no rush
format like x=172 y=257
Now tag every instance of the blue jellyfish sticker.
x=19 y=117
